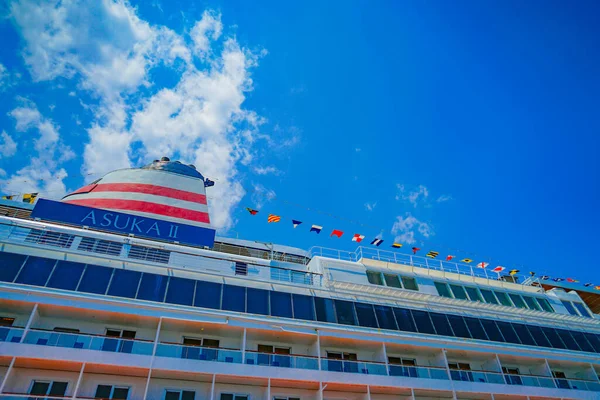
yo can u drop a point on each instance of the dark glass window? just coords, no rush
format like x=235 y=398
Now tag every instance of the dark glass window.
x=553 y=338
x=532 y=303
x=95 y=279
x=234 y=298
x=208 y=295
x=503 y=298
x=442 y=289
x=517 y=300
x=508 y=332
x=594 y=341
x=345 y=312
x=475 y=328
x=458 y=292
x=366 y=315
x=392 y=281
x=567 y=339
x=492 y=331
x=152 y=287
x=545 y=304
x=124 y=283
x=281 y=304
x=524 y=334
x=441 y=324
x=488 y=296
x=66 y=275
x=324 y=309
x=257 y=301
x=538 y=335
x=405 y=320
x=180 y=291
x=36 y=271
x=582 y=310
x=385 y=317
x=303 y=307
x=422 y=321
x=10 y=264
x=103 y=392
x=459 y=326
x=581 y=341
x=409 y=283
x=473 y=294
x=569 y=307
x=374 y=277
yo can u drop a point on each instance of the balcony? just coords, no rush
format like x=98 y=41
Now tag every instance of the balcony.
x=200 y=353
x=11 y=334
x=355 y=367
x=282 y=360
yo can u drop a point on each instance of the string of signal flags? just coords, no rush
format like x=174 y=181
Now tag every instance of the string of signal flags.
x=377 y=241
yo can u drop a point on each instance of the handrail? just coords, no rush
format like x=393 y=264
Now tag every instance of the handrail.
x=199 y=346
x=283 y=355
x=89 y=334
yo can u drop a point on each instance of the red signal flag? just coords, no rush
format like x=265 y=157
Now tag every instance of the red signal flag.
x=336 y=233
x=415 y=249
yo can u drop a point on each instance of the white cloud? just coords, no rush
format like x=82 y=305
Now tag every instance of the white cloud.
x=72 y=93
x=443 y=198
x=7 y=79
x=405 y=228
x=207 y=29
x=358 y=149
x=261 y=195
x=8 y=147
x=266 y=170
x=413 y=196
x=370 y=206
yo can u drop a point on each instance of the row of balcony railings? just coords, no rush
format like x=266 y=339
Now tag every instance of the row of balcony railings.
x=16 y=232
x=441 y=265
x=251 y=357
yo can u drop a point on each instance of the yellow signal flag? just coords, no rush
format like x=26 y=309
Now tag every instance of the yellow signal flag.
x=432 y=254
x=29 y=197
x=466 y=260
x=396 y=245
x=513 y=271
x=273 y=218
x=7 y=197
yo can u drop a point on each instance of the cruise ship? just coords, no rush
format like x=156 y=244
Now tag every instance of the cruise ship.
x=121 y=290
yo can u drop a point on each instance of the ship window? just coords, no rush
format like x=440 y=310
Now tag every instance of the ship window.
x=366 y=315
x=582 y=310
x=111 y=392
x=545 y=305
x=45 y=388
x=124 y=283
x=257 y=301
x=582 y=341
x=95 y=279
x=459 y=326
x=488 y=296
x=492 y=331
x=180 y=394
x=442 y=289
x=57 y=239
x=524 y=334
x=345 y=312
x=567 y=339
x=569 y=307
x=149 y=254
x=475 y=328
x=385 y=317
x=10 y=264
x=180 y=291
x=286 y=398
x=532 y=303
x=473 y=294
x=152 y=287
x=508 y=332
x=66 y=275
x=423 y=321
x=503 y=298
x=303 y=307
x=234 y=298
x=100 y=246
x=36 y=271
x=208 y=295
x=6 y=321
x=281 y=304
x=405 y=320
x=538 y=335
x=594 y=340
x=441 y=324
x=228 y=396
x=458 y=292
x=392 y=281
x=517 y=300
x=241 y=268
x=409 y=283
x=553 y=337
x=324 y=309
x=374 y=277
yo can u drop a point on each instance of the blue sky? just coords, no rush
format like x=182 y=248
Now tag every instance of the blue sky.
x=464 y=127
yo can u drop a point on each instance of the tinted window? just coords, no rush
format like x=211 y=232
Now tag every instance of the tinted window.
x=152 y=287
x=567 y=339
x=441 y=324
x=66 y=275
x=374 y=277
x=552 y=336
x=324 y=310
x=36 y=271
x=281 y=304
x=385 y=317
x=569 y=307
x=581 y=341
x=458 y=292
x=594 y=340
x=582 y=310
x=208 y=295
x=423 y=321
x=503 y=298
x=488 y=296
x=517 y=300
x=234 y=298
x=392 y=280
x=409 y=283
x=492 y=330
x=257 y=301
x=405 y=320
x=303 y=307
x=180 y=291
x=458 y=326
x=473 y=294
x=538 y=335
x=10 y=264
x=524 y=334
x=545 y=305
x=532 y=303
x=475 y=328
x=366 y=315
x=124 y=283
x=508 y=332
x=95 y=279
x=344 y=311
x=442 y=289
